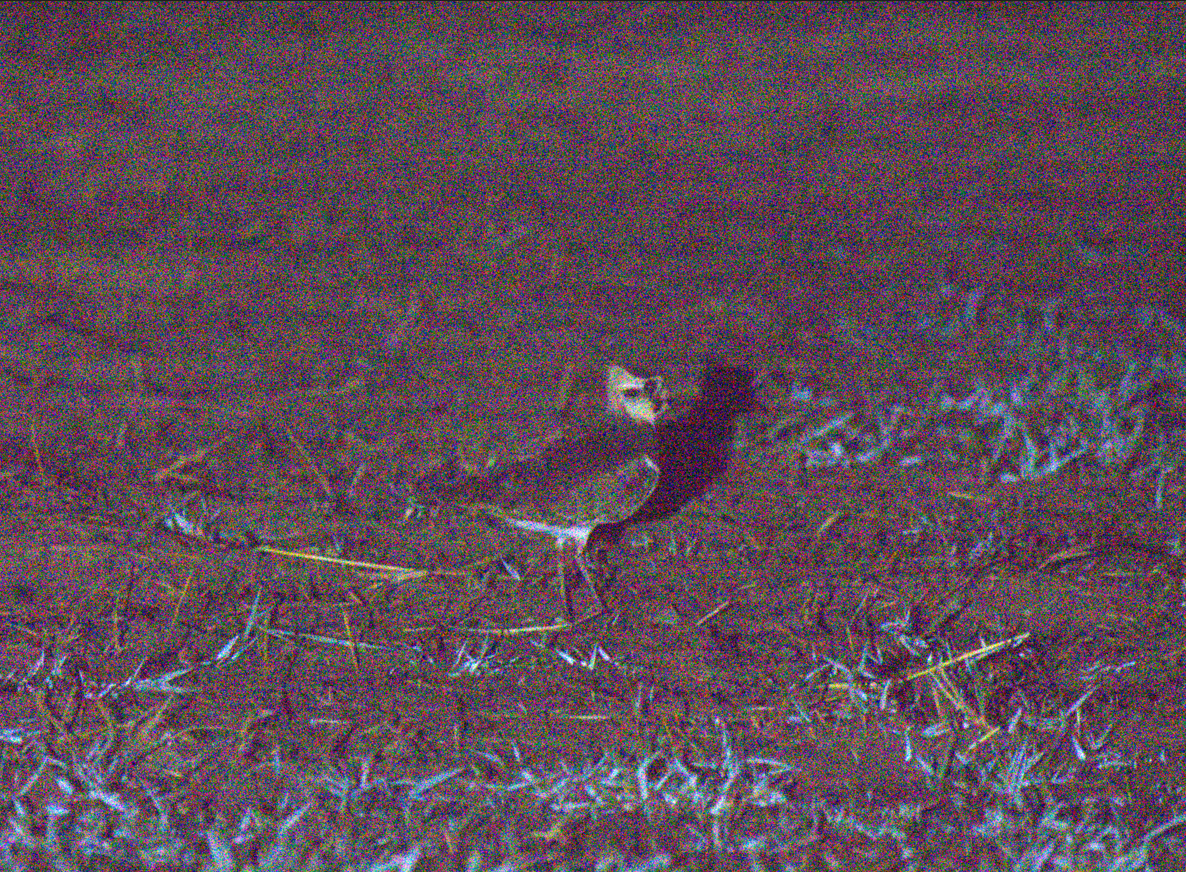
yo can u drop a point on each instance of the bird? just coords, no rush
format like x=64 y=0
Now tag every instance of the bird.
x=595 y=470
x=693 y=447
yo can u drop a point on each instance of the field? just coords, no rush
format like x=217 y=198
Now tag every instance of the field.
x=265 y=266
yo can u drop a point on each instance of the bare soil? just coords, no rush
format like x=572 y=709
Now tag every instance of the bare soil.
x=262 y=267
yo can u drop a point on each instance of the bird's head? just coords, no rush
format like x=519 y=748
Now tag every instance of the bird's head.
x=640 y=399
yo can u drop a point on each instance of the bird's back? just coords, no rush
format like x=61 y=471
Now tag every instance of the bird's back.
x=601 y=472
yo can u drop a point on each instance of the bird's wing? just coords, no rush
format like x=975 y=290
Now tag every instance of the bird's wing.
x=612 y=495
x=573 y=479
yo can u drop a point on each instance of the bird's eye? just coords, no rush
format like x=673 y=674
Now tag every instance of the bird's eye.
x=632 y=393
x=652 y=386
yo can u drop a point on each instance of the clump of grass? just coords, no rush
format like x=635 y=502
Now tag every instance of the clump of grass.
x=1053 y=398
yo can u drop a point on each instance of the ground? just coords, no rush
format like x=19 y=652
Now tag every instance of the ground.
x=265 y=266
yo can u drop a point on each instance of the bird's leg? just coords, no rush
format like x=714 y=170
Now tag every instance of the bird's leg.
x=589 y=575
x=562 y=574
x=590 y=580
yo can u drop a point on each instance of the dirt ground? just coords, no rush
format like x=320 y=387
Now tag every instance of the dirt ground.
x=263 y=267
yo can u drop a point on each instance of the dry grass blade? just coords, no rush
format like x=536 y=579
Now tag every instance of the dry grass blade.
x=366 y=570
